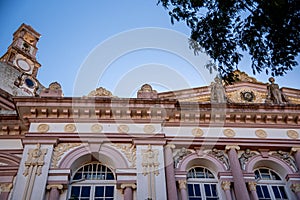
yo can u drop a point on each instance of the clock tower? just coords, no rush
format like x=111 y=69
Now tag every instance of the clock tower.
x=19 y=67
x=21 y=54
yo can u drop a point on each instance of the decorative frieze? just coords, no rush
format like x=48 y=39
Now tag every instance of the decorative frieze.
x=59 y=150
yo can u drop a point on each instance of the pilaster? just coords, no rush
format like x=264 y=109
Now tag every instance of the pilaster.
x=239 y=182
x=182 y=187
x=150 y=170
x=128 y=190
x=252 y=189
x=33 y=171
x=170 y=174
x=226 y=187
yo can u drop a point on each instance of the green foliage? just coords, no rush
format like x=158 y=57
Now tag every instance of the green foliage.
x=225 y=29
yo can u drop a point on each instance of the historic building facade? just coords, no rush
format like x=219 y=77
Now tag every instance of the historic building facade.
x=233 y=142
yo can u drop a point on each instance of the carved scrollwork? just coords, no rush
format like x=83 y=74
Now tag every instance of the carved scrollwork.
x=59 y=150
x=129 y=151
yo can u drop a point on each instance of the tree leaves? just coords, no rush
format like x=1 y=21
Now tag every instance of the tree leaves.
x=269 y=31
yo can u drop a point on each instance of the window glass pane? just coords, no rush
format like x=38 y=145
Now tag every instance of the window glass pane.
x=207 y=190
x=214 y=190
x=274 y=176
x=109 y=191
x=265 y=191
x=276 y=192
x=197 y=190
x=77 y=176
x=110 y=176
x=259 y=191
x=282 y=192
x=75 y=191
x=265 y=176
x=99 y=191
x=85 y=191
x=190 y=190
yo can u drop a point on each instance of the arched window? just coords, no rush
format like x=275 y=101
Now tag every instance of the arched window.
x=202 y=184
x=92 y=181
x=269 y=185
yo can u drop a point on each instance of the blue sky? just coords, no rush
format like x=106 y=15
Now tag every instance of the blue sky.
x=73 y=30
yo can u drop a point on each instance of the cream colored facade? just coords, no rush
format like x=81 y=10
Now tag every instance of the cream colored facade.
x=187 y=144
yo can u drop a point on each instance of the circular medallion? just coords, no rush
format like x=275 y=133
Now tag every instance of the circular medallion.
x=292 y=134
x=96 y=128
x=229 y=133
x=70 y=128
x=261 y=133
x=123 y=129
x=43 y=128
x=149 y=128
x=23 y=64
x=248 y=96
x=197 y=132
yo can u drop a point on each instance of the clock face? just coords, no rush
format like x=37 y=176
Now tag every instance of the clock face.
x=23 y=65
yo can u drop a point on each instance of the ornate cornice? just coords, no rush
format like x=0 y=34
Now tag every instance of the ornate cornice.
x=169 y=111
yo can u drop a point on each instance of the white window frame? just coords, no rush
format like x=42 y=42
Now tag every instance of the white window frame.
x=269 y=183
x=93 y=183
x=202 y=181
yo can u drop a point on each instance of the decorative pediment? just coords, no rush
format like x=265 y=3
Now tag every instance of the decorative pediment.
x=100 y=92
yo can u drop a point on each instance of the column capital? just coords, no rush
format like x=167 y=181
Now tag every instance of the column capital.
x=182 y=184
x=236 y=147
x=170 y=145
x=125 y=185
x=295 y=149
x=57 y=186
x=252 y=186
x=5 y=187
x=225 y=185
x=295 y=187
